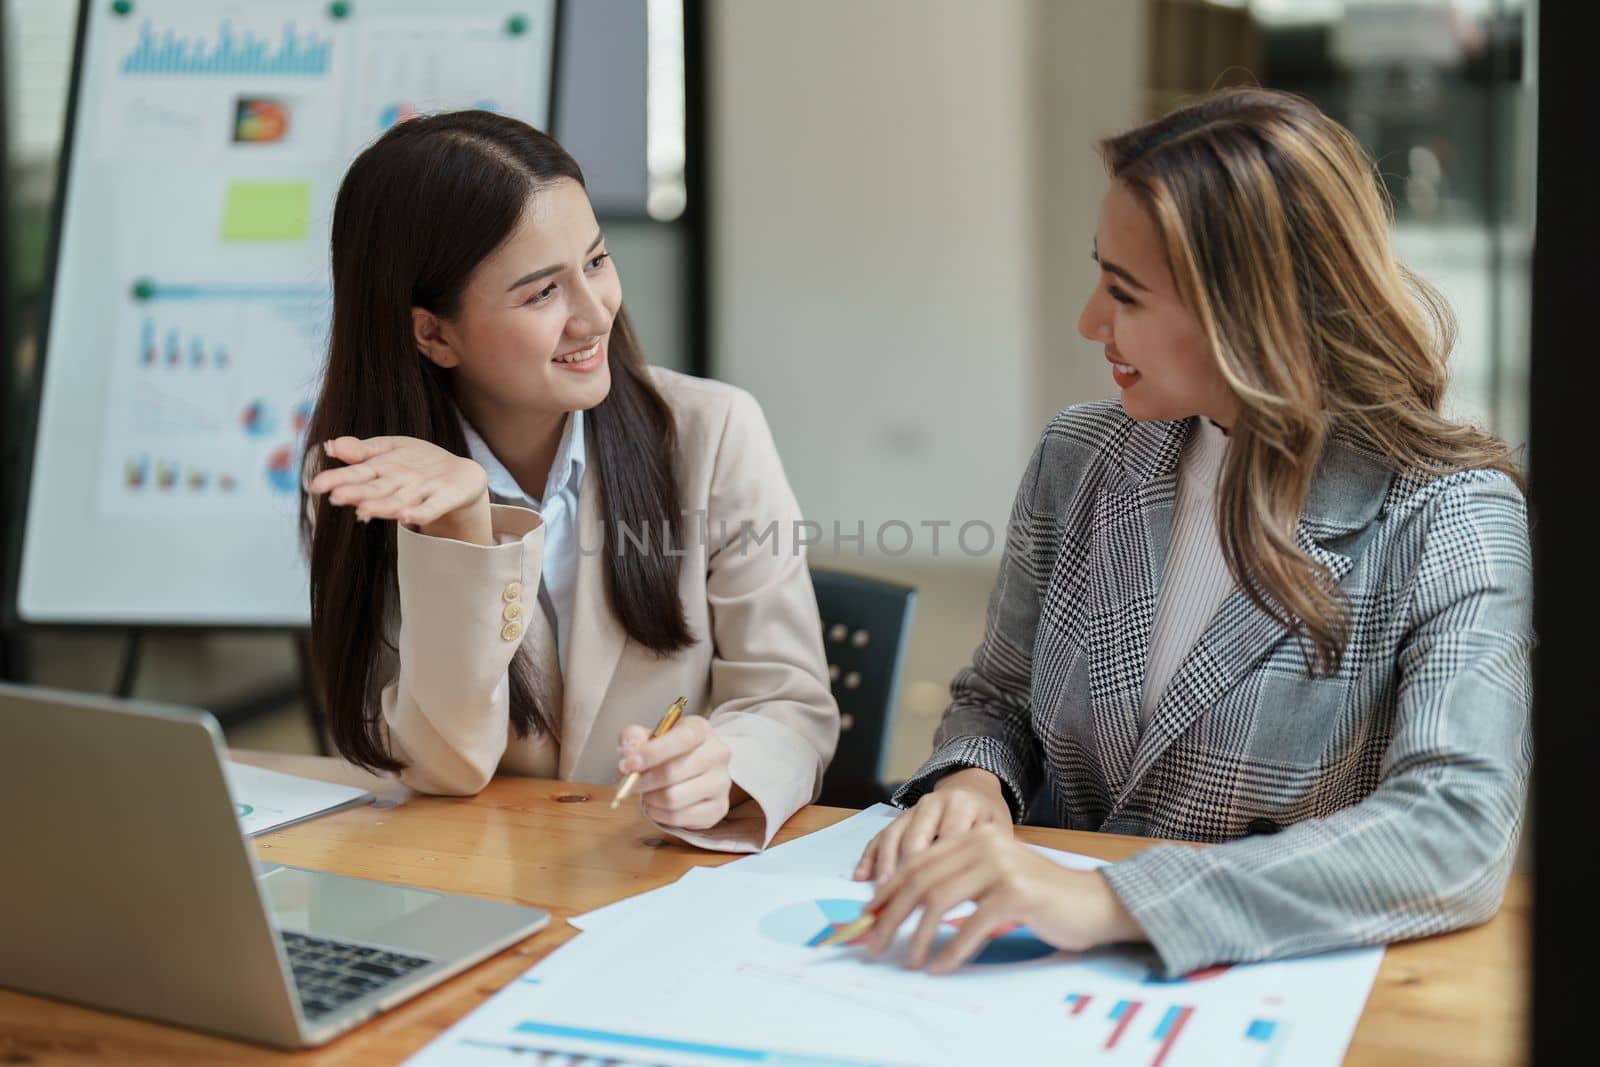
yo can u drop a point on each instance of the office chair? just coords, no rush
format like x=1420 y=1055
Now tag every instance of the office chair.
x=865 y=626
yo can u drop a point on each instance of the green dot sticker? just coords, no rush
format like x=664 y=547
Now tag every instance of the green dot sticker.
x=516 y=25
x=122 y=7
x=339 y=10
x=144 y=289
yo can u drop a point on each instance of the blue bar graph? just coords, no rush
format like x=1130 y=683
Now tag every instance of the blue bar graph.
x=150 y=354
x=148 y=290
x=704 y=1052
x=230 y=53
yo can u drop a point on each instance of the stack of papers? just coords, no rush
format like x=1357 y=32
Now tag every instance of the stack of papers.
x=270 y=800
x=723 y=967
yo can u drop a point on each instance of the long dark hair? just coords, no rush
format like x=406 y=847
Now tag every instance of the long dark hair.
x=418 y=210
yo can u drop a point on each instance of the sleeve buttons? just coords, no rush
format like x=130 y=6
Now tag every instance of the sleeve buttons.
x=512 y=592
x=511 y=631
x=512 y=612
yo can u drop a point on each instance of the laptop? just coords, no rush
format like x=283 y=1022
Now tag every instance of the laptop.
x=129 y=886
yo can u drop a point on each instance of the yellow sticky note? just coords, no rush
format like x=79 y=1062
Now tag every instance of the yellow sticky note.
x=267 y=211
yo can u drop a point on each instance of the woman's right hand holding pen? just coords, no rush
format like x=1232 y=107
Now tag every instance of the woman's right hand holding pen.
x=959 y=801
x=408 y=480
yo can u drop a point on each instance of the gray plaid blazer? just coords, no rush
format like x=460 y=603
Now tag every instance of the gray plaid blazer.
x=1378 y=804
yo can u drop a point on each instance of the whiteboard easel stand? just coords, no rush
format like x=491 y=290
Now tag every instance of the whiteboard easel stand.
x=251 y=705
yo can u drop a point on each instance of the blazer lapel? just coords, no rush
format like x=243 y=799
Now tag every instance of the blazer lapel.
x=1237 y=638
x=1126 y=563
x=1348 y=493
x=597 y=637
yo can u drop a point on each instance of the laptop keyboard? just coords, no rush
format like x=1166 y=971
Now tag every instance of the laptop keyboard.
x=329 y=974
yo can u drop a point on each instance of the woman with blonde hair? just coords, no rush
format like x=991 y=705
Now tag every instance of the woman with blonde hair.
x=1273 y=599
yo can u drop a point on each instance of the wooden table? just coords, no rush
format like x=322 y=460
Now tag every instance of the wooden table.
x=1458 y=999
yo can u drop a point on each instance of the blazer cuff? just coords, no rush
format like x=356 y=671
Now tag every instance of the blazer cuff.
x=960 y=753
x=510 y=524
x=455 y=637
x=1163 y=888
x=764 y=764
x=453 y=598
x=512 y=521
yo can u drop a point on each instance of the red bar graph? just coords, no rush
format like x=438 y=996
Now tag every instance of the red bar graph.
x=1169 y=1030
x=1123 y=1013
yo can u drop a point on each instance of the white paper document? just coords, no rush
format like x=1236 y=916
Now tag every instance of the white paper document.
x=832 y=850
x=270 y=800
x=724 y=967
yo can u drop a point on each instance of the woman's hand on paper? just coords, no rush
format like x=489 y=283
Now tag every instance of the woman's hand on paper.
x=960 y=801
x=415 y=482
x=1011 y=884
x=684 y=782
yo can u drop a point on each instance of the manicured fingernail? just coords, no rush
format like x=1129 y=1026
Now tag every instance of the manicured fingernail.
x=327 y=447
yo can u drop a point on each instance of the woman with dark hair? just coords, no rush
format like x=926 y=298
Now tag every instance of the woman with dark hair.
x=1271 y=598
x=562 y=538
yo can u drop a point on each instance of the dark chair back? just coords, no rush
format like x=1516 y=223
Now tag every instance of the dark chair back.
x=865 y=626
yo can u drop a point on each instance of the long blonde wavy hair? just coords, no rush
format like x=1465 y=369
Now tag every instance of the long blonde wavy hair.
x=1277 y=235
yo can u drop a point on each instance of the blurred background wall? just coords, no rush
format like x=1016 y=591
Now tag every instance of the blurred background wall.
x=898 y=199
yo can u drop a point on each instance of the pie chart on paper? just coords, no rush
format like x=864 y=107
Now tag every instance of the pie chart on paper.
x=1013 y=943
x=807 y=923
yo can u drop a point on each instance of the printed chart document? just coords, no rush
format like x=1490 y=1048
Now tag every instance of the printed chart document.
x=270 y=800
x=725 y=966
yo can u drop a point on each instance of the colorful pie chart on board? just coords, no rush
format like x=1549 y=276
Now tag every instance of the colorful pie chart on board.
x=398 y=111
x=260 y=121
x=258 y=420
x=280 y=470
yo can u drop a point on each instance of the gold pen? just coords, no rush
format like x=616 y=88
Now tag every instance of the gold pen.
x=668 y=718
x=850 y=930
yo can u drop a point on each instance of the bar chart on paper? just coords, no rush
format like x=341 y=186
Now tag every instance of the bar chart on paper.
x=750 y=977
x=1132 y=1031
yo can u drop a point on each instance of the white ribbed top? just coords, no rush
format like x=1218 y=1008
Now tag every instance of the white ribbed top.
x=1197 y=580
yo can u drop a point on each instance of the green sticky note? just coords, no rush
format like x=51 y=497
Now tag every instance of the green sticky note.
x=267 y=211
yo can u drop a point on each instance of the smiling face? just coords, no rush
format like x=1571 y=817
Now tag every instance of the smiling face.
x=535 y=318
x=1159 y=354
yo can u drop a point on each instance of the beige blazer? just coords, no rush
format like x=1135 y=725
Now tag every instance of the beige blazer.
x=757 y=671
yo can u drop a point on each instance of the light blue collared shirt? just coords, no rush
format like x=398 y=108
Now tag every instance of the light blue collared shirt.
x=558 y=506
